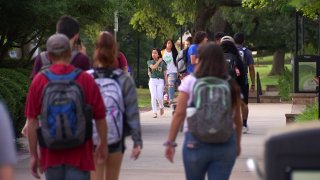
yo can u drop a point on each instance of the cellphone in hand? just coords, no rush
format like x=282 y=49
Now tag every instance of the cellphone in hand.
x=79 y=42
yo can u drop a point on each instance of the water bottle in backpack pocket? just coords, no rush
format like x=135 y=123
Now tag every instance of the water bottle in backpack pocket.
x=111 y=92
x=231 y=60
x=65 y=118
x=209 y=116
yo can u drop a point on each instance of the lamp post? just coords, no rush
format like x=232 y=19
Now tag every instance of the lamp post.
x=319 y=97
x=116 y=24
x=181 y=43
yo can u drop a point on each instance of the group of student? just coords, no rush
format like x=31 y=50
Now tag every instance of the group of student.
x=226 y=58
x=69 y=98
x=69 y=93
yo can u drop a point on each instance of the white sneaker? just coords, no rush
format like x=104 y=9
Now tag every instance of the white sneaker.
x=245 y=130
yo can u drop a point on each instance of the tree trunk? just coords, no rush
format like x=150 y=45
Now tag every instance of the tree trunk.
x=203 y=15
x=218 y=23
x=278 y=63
x=205 y=11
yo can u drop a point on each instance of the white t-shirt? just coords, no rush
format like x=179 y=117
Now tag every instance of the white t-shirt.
x=168 y=58
x=186 y=86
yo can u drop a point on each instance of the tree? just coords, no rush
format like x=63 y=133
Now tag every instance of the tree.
x=33 y=20
x=162 y=17
x=308 y=8
x=265 y=30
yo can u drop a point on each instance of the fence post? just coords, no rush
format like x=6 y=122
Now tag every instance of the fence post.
x=138 y=59
x=259 y=88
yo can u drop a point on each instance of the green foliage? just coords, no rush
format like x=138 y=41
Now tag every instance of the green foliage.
x=285 y=82
x=22 y=21
x=265 y=28
x=310 y=8
x=13 y=90
x=309 y=114
x=184 y=11
x=154 y=18
x=310 y=49
x=15 y=63
x=160 y=18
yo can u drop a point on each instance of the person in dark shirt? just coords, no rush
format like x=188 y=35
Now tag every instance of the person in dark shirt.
x=68 y=26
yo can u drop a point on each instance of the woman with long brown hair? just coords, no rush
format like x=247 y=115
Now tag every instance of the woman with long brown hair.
x=121 y=108
x=199 y=156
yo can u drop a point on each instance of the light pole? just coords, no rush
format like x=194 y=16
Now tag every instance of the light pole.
x=116 y=24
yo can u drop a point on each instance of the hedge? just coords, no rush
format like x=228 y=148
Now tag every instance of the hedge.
x=13 y=90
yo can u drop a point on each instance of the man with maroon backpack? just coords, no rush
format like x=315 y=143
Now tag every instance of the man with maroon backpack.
x=70 y=27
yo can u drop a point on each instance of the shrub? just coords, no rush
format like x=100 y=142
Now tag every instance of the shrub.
x=285 y=82
x=309 y=114
x=13 y=90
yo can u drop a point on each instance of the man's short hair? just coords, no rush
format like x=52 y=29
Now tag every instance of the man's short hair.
x=58 y=45
x=189 y=39
x=199 y=37
x=68 y=26
x=239 y=38
x=219 y=35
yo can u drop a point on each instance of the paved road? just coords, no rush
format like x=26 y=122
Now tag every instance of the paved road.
x=153 y=166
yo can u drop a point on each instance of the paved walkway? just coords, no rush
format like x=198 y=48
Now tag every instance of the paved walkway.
x=152 y=164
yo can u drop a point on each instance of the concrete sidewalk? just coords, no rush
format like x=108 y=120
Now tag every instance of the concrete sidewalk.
x=152 y=165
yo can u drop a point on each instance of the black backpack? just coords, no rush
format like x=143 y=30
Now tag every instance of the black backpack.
x=231 y=60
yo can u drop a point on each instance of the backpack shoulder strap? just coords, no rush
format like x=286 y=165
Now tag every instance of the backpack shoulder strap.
x=70 y=76
x=44 y=59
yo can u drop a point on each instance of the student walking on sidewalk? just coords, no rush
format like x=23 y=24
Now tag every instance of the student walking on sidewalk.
x=157 y=71
x=248 y=62
x=122 y=113
x=60 y=104
x=210 y=99
x=169 y=55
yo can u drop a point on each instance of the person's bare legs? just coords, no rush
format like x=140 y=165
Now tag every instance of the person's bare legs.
x=112 y=170
x=6 y=172
x=98 y=174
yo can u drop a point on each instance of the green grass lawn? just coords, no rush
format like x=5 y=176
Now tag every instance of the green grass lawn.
x=267 y=60
x=265 y=78
x=143 y=98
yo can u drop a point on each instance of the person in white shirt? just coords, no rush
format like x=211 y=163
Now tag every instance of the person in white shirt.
x=169 y=55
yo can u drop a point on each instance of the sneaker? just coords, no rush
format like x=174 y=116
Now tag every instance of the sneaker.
x=154 y=115
x=245 y=130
